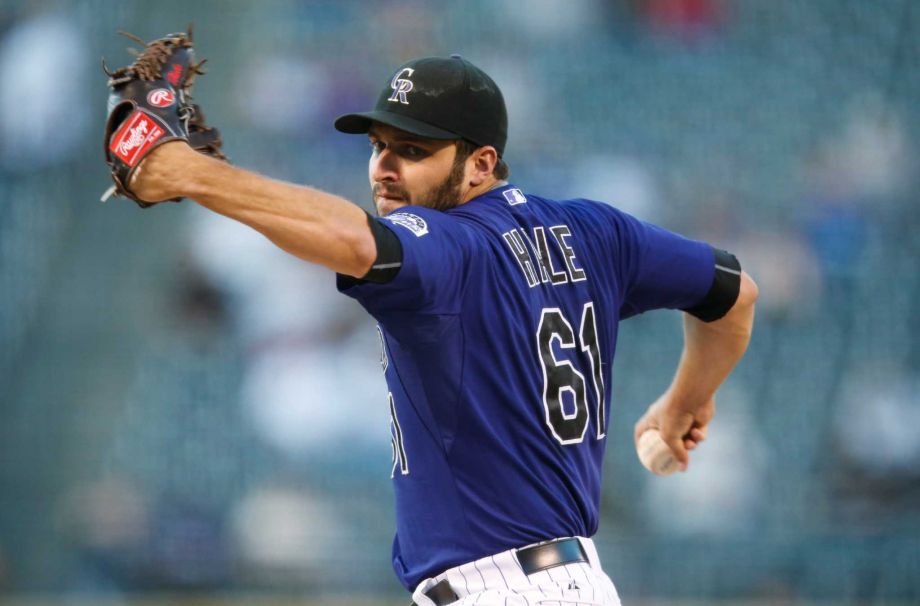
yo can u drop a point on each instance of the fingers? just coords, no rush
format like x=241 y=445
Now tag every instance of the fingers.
x=679 y=451
x=681 y=447
x=693 y=437
x=682 y=431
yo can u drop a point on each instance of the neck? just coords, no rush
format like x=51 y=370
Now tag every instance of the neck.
x=477 y=190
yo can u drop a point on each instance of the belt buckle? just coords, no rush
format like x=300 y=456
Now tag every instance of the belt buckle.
x=538 y=558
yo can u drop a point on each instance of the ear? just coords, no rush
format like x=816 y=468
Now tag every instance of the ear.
x=482 y=162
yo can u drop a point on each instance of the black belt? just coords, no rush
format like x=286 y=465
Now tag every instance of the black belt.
x=441 y=594
x=533 y=559
x=548 y=555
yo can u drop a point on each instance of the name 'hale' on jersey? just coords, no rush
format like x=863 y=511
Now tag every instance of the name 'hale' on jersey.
x=519 y=243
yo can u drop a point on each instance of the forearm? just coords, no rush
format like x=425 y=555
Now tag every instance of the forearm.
x=711 y=351
x=308 y=223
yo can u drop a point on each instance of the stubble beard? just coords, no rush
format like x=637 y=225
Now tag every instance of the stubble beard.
x=447 y=194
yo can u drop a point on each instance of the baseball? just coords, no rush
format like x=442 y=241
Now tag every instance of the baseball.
x=655 y=454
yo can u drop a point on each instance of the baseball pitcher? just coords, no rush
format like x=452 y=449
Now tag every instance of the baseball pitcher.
x=498 y=311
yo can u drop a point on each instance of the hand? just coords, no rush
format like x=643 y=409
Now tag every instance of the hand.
x=682 y=428
x=157 y=177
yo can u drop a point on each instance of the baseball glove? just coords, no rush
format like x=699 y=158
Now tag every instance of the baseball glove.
x=150 y=104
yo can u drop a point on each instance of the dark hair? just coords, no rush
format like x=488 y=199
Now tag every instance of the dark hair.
x=466 y=148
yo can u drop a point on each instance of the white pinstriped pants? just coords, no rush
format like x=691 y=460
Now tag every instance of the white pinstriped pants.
x=498 y=580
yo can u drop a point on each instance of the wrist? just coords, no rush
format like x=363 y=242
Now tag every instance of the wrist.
x=162 y=174
x=681 y=406
x=683 y=397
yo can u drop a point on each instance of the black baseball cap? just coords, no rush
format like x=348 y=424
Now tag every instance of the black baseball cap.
x=438 y=98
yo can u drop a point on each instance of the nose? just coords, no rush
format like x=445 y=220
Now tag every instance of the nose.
x=384 y=166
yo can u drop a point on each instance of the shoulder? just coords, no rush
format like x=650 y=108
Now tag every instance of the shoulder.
x=422 y=227
x=415 y=219
x=579 y=207
x=592 y=207
x=422 y=221
x=597 y=219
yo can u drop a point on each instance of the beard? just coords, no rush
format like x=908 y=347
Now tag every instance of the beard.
x=446 y=195
x=443 y=196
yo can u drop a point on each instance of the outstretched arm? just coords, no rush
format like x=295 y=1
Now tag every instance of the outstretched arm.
x=711 y=351
x=313 y=225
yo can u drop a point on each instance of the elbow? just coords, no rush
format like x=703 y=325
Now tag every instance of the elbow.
x=739 y=319
x=741 y=315
x=364 y=254
x=748 y=292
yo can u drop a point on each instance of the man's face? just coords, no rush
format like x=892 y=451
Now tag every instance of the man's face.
x=405 y=169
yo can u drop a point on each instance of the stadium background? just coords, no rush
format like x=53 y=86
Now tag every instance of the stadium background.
x=186 y=412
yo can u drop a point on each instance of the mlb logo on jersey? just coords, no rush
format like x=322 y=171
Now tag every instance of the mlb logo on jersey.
x=514 y=196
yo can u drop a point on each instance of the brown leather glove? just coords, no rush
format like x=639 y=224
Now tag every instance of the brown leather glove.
x=150 y=104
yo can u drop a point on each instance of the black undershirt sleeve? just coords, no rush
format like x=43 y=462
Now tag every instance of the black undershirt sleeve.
x=389 y=256
x=726 y=284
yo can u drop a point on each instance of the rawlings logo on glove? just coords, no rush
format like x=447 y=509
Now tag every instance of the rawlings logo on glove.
x=150 y=104
x=161 y=98
x=134 y=139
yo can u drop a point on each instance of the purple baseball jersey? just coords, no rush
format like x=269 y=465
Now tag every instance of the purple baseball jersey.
x=499 y=333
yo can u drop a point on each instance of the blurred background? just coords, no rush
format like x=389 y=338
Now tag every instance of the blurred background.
x=188 y=415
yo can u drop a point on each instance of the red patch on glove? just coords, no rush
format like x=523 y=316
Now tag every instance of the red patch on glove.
x=134 y=138
x=175 y=74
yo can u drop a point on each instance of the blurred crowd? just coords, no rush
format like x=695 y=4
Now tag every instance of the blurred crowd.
x=238 y=438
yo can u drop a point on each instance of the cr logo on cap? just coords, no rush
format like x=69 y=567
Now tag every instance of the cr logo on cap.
x=401 y=85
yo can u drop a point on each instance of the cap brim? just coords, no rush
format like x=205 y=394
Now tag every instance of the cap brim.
x=356 y=124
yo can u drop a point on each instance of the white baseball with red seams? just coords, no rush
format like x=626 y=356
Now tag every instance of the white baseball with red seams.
x=655 y=454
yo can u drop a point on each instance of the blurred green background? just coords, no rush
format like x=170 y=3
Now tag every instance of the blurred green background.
x=187 y=412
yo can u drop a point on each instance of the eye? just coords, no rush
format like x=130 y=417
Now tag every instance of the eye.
x=377 y=146
x=412 y=151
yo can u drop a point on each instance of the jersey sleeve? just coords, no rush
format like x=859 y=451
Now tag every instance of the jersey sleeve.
x=435 y=253
x=659 y=269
